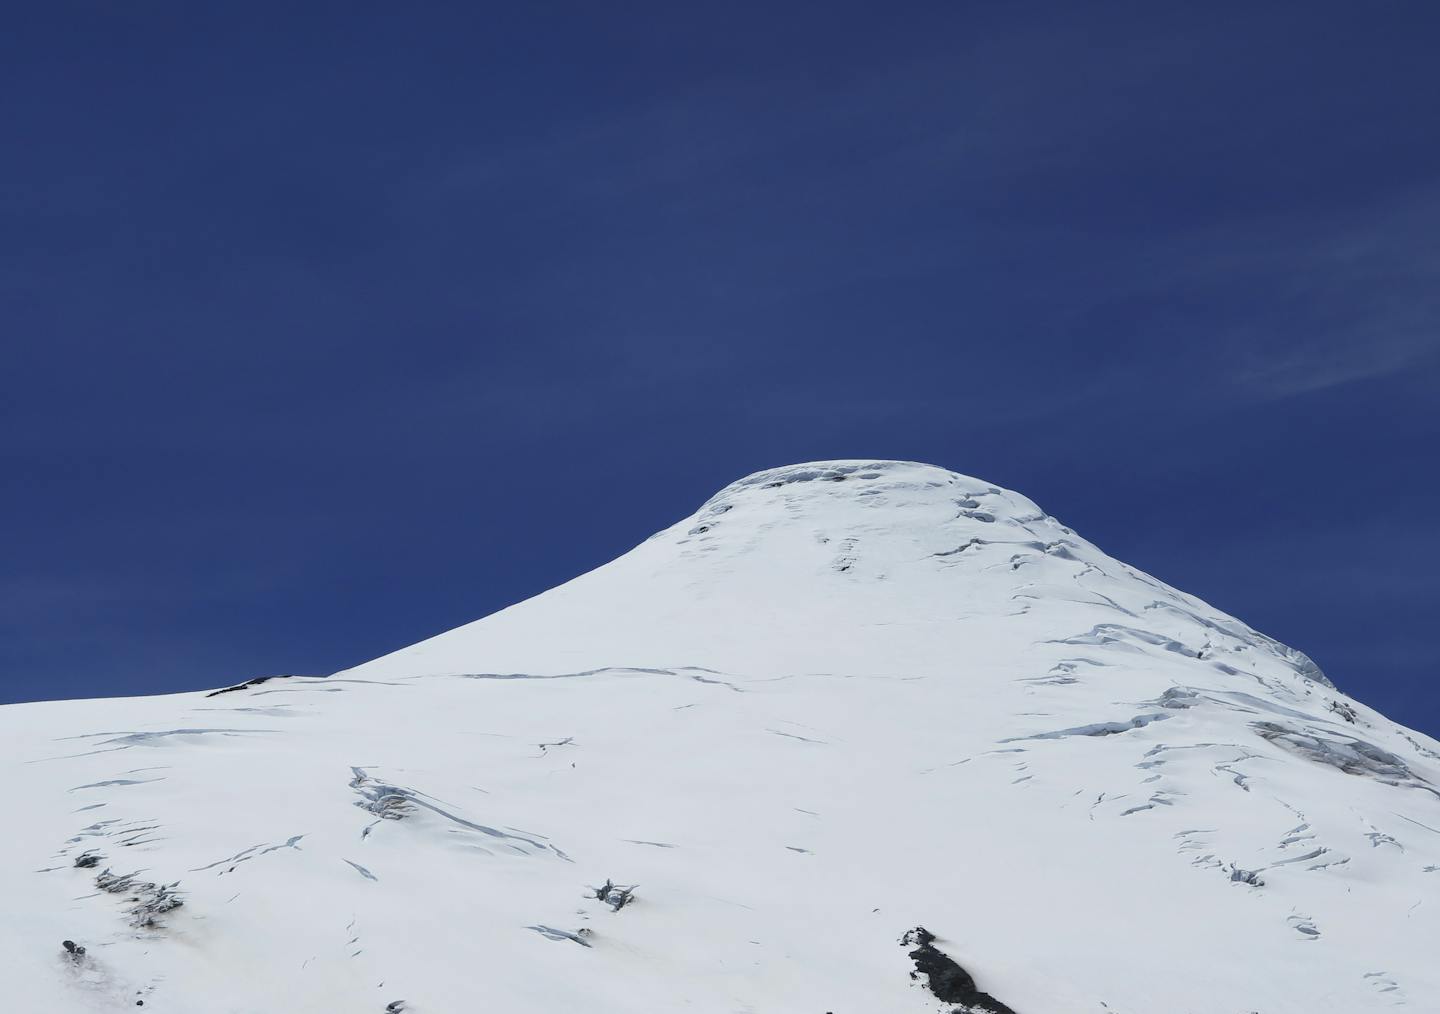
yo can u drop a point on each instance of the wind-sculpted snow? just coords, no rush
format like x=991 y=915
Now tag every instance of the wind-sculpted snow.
x=844 y=704
x=389 y=802
x=1348 y=754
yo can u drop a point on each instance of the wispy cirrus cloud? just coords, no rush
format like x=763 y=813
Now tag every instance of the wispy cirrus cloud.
x=1321 y=366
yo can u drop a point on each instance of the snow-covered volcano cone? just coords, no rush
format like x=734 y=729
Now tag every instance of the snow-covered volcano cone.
x=859 y=737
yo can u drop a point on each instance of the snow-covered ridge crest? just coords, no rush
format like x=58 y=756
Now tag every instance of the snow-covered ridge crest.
x=877 y=478
x=854 y=736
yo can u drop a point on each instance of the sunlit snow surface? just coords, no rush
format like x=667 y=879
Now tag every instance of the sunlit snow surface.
x=840 y=701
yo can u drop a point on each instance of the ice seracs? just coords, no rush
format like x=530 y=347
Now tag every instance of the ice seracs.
x=845 y=713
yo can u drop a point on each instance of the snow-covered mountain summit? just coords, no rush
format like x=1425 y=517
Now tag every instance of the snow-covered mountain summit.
x=841 y=567
x=856 y=737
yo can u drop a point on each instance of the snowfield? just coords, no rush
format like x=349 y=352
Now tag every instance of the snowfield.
x=849 y=729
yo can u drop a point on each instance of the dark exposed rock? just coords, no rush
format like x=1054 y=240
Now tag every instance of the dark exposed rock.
x=156 y=901
x=243 y=686
x=114 y=883
x=615 y=895
x=947 y=980
x=1344 y=710
x=148 y=900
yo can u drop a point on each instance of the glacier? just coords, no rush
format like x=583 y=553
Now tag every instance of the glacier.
x=856 y=737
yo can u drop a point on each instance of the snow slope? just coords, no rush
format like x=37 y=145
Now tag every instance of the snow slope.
x=841 y=701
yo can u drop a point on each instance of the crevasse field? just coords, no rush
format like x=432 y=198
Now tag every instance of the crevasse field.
x=841 y=701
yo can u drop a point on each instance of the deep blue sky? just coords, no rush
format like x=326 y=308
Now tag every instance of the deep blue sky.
x=327 y=327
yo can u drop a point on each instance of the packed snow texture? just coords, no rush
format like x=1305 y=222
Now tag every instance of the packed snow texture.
x=852 y=735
